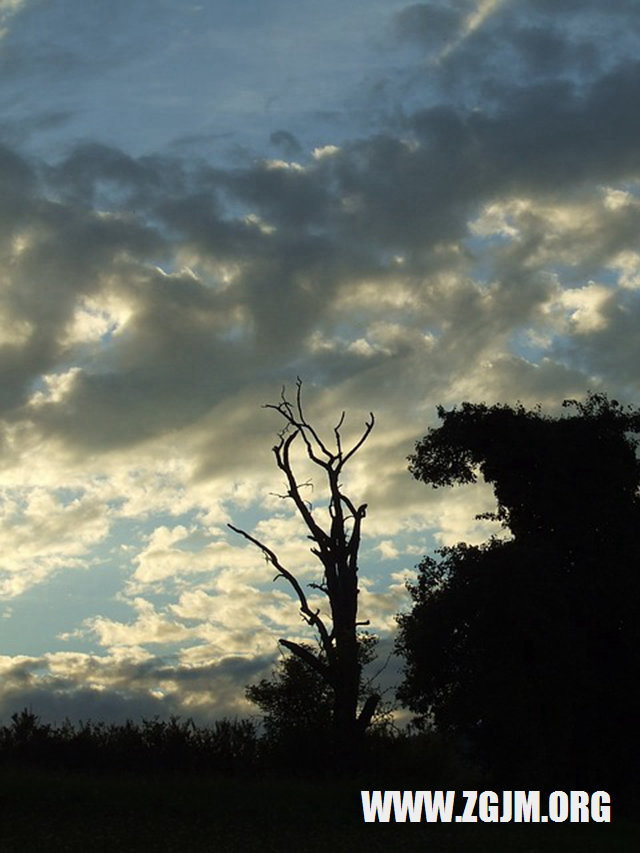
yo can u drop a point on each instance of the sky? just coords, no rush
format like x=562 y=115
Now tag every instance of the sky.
x=403 y=205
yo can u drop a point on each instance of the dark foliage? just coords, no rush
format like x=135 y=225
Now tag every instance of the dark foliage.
x=528 y=648
x=298 y=707
x=226 y=746
x=295 y=737
x=296 y=704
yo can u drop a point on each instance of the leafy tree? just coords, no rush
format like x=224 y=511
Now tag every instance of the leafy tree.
x=297 y=705
x=338 y=664
x=528 y=648
x=295 y=702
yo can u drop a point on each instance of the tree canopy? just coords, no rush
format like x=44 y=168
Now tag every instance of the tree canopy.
x=527 y=648
x=298 y=707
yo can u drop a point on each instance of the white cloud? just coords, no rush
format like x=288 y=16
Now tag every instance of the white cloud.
x=57 y=387
x=586 y=307
x=627 y=263
x=149 y=628
x=161 y=562
x=42 y=533
x=125 y=684
x=283 y=164
x=387 y=549
x=382 y=607
x=325 y=151
x=96 y=317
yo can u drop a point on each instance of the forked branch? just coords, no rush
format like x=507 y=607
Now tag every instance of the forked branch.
x=312 y=617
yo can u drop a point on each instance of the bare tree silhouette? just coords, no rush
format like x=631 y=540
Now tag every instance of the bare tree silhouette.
x=336 y=548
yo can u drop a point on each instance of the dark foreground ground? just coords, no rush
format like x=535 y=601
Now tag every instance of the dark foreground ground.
x=47 y=810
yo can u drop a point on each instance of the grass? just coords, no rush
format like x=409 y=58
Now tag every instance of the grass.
x=54 y=811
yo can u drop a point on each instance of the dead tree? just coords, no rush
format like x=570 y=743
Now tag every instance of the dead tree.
x=337 y=549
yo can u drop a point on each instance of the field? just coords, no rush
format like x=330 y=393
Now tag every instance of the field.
x=108 y=812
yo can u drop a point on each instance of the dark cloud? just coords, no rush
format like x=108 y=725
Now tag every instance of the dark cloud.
x=287 y=196
x=430 y=24
x=16 y=182
x=471 y=62
x=204 y=693
x=573 y=7
x=56 y=253
x=545 y=138
x=547 y=51
x=54 y=706
x=287 y=143
x=95 y=174
x=294 y=236
x=612 y=351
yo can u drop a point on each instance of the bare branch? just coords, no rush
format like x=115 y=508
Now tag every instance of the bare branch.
x=312 y=617
x=301 y=425
x=354 y=542
x=310 y=659
x=305 y=425
x=350 y=506
x=282 y=459
x=365 y=435
x=336 y=431
x=367 y=712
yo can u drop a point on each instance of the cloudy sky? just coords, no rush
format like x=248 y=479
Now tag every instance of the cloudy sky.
x=404 y=205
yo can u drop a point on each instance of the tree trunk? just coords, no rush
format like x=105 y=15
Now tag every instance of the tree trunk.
x=337 y=550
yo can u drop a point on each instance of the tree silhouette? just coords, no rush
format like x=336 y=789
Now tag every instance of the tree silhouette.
x=338 y=664
x=297 y=705
x=528 y=648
